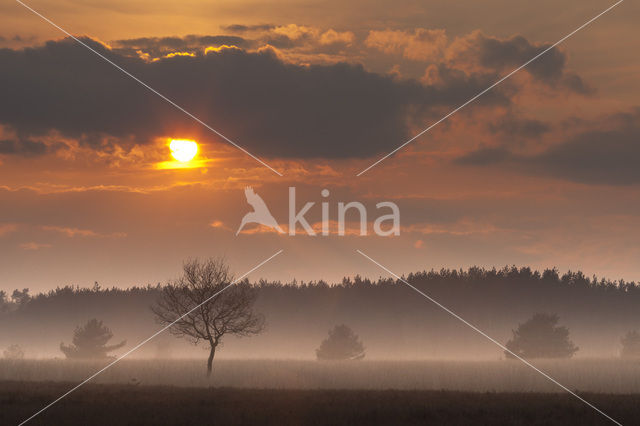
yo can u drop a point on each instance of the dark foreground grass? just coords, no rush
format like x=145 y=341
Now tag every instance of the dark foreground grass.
x=99 y=404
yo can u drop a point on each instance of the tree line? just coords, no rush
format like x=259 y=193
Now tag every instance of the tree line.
x=495 y=295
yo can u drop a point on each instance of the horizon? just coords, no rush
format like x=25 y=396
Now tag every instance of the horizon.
x=351 y=278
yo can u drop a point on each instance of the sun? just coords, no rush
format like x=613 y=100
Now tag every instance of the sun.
x=183 y=150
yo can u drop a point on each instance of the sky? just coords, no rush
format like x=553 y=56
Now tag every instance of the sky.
x=540 y=171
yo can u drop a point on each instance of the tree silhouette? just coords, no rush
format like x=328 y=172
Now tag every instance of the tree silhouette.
x=541 y=337
x=342 y=343
x=631 y=345
x=21 y=298
x=13 y=352
x=90 y=342
x=5 y=304
x=219 y=311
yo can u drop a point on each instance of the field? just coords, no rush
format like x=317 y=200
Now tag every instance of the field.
x=97 y=404
x=138 y=391
x=587 y=375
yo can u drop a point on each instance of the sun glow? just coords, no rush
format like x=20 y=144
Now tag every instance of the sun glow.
x=183 y=150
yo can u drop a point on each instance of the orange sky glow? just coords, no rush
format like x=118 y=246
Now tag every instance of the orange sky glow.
x=542 y=171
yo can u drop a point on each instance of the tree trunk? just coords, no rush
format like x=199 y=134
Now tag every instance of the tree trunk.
x=212 y=353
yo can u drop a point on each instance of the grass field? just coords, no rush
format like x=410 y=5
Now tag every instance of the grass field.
x=97 y=404
x=587 y=375
x=290 y=392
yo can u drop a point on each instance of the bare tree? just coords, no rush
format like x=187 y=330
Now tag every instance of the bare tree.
x=229 y=312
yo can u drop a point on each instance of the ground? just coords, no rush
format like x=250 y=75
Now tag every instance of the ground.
x=111 y=404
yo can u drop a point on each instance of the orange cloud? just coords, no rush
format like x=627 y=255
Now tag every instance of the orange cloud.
x=296 y=32
x=76 y=232
x=6 y=228
x=351 y=229
x=218 y=224
x=334 y=37
x=421 y=45
x=174 y=54
x=215 y=49
x=32 y=246
x=462 y=227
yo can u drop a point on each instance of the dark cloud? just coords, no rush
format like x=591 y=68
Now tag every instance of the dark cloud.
x=270 y=107
x=23 y=147
x=161 y=46
x=484 y=157
x=610 y=157
x=280 y=41
x=452 y=77
x=18 y=37
x=515 y=127
x=549 y=68
x=220 y=40
x=239 y=28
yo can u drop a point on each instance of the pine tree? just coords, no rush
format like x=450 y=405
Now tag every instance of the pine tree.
x=541 y=337
x=90 y=341
x=341 y=344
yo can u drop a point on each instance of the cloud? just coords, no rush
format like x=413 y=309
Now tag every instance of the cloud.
x=218 y=224
x=350 y=229
x=608 y=155
x=420 y=45
x=6 y=228
x=600 y=156
x=75 y=232
x=24 y=147
x=157 y=47
x=464 y=226
x=513 y=126
x=32 y=246
x=270 y=107
x=296 y=32
x=484 y=157
x=479 y=51
x=307 y=39
x=330 y=37
x=292 y=36
x=240 y=28
x=280 y=41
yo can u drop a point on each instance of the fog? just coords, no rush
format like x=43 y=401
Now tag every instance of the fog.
x=392 y=321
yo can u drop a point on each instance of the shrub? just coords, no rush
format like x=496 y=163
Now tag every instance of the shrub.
x=341 y=344
x=13 y=352
x=90 y=341
x=541 y=337
x=631 y=345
